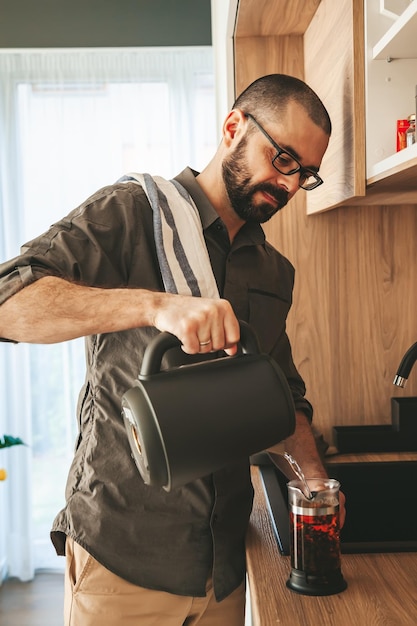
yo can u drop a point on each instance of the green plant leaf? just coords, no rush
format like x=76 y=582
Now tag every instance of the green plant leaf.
x=9 y=441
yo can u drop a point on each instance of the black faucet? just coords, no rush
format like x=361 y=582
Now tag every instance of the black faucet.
x=406 y=364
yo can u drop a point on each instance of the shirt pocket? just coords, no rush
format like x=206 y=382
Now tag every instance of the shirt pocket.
x=267 y=315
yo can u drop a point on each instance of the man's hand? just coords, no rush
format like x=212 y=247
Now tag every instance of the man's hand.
x=302 y=447
x=201 y=324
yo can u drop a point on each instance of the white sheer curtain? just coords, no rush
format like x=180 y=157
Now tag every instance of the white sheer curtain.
x=70 y=122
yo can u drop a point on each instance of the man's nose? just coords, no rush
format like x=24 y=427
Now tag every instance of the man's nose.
x=290 y=182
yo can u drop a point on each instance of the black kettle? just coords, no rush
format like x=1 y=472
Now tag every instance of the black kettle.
x=186 y=422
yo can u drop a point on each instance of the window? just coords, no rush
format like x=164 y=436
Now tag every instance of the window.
x=72 y=122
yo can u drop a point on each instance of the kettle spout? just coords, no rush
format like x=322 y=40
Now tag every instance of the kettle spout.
x=406 y=364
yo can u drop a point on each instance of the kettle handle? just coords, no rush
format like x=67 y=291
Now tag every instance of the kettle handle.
x=156 y=349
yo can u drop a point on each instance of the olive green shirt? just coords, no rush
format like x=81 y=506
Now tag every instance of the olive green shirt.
x=169 y=541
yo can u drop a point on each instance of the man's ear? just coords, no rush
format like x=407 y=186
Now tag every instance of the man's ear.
x=233 y=125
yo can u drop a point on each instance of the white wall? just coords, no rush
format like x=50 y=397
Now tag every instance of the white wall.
x=223 y=13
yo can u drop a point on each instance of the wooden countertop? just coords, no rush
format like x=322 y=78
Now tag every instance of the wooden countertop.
x=382 y=588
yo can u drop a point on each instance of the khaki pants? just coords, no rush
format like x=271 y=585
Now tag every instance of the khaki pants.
x=96 y=597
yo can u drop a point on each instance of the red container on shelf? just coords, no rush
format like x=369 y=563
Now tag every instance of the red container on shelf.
x=402 y=127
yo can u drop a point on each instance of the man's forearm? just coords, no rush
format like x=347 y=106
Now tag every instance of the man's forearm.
x=52 y=310
x=302 y=446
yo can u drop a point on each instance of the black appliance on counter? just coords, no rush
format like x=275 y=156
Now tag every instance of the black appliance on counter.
x=380 y=505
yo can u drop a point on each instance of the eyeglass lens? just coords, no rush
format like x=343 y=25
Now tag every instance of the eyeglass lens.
x=286 y=164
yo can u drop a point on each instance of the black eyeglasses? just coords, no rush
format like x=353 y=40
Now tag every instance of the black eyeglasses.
x=287 y=164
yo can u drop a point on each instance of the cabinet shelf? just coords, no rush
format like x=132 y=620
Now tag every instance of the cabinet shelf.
x=393 y=180
x=400 y=41
x=401 y=161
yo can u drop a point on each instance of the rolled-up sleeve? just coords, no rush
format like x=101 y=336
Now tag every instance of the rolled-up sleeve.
x=92 y=246
x=13 y=277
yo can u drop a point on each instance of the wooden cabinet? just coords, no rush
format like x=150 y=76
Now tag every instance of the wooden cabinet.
x=341 y=49
x=391 y=79
x=334 y=68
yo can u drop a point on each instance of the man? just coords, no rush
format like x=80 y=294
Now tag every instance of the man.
x=135 y=554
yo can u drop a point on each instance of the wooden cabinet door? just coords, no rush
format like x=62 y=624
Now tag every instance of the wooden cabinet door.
x=334 y=66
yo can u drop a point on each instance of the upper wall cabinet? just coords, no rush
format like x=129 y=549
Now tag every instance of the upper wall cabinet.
x=391 y=80
x=361 y=58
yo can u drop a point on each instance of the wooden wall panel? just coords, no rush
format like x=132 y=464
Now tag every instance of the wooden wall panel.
x=334 y=68
x=354 y=307
x=257 y=56
x=279 y=17
x=355 y=299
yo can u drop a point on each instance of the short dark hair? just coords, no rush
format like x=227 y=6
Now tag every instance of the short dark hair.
x=272 y=94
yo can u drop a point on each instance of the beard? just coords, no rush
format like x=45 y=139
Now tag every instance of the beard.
x=241 y=192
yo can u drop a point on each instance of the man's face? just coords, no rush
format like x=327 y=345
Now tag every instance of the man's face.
x=237 y=179
x=255 y=188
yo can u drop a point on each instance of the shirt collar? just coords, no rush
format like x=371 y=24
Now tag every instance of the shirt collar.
x=251 y=233
x=208 y=215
